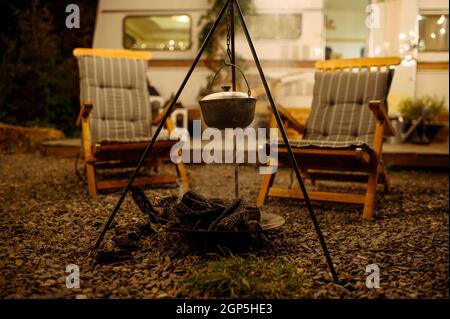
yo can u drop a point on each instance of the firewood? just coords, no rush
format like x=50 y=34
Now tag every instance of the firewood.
x=242 y=218
x=190 y=217
x=197 y=202
x=195 y=212
x=253 y=219
x=234 y=221
x=230 y=209
x=146 y=206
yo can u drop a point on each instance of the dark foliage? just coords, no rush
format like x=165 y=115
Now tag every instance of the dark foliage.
x=216 y=48
x=38 y=75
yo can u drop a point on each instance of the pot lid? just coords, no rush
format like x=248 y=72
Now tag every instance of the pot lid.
x=226 y=95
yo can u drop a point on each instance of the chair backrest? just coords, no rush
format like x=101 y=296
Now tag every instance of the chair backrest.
x=342 y=91
x=114 y=81
x=360 y=63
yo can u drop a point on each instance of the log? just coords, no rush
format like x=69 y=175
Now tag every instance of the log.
x=229 y=210
x=146 y=206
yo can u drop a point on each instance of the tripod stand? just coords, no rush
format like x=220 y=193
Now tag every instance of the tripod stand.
x=231 y=5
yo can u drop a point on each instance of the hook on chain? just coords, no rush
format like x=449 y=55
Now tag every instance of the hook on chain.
x=229 y=34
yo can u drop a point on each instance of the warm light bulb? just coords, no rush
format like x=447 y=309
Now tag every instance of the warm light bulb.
x=441 y=20
x=433 y=35
x=182 y=18
x=442 y=31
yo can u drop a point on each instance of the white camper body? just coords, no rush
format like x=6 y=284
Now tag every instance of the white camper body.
x=168 y=68
x=289 y=59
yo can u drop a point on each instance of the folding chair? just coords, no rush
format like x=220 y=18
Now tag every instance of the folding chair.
x=343 y=136
x=116 y=117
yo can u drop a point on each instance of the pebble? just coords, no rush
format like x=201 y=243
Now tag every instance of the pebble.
x=123 y=291
x=100 y=290
x=49 y=283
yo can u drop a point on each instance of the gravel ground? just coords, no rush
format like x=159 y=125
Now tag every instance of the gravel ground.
x=47 y=222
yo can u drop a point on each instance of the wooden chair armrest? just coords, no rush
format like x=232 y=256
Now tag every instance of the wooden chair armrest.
x=85 y=110
x=379 y=111
x=293 y=123
x=157 y=119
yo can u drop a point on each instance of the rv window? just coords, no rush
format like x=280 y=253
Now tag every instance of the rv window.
x=275 y=26
x=157 y=32
x=433 y=32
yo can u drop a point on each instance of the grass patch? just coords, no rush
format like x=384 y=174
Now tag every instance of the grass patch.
x=248 y=277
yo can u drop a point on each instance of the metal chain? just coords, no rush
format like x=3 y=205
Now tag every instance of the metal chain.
x=228 y=34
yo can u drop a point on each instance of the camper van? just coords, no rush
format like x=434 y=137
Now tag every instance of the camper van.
x=289 y=36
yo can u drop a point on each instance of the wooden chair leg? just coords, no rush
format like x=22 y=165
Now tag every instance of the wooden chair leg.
x=386 y=179
x=266 y=185
x=306 y=176
x=92 y=184
x=181 y=171
x=369 y=203
x=157 y=165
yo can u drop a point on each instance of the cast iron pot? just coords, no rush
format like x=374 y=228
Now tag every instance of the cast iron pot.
x=228 y=109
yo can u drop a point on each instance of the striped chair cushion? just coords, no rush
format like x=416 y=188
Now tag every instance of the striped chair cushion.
x=117 y=88
x=340 y=116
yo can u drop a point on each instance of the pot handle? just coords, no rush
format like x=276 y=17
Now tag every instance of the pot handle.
x=249 y=92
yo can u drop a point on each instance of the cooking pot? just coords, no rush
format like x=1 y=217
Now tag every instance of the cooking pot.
x=228 y=109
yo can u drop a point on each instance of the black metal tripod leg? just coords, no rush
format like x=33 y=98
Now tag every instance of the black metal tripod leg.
x=233 y=48
x=286 y=141
x=158 y=130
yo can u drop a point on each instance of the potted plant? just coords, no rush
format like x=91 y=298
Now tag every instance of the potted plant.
x=425 y=110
